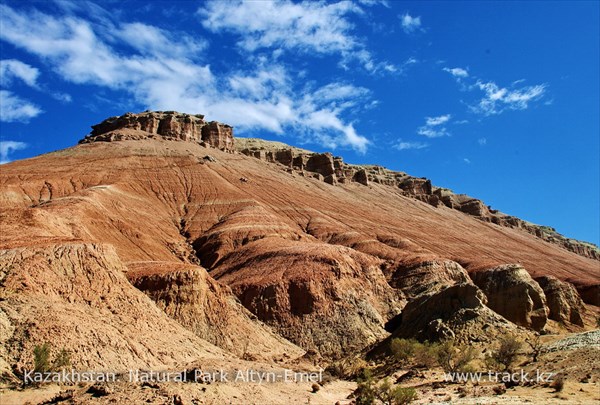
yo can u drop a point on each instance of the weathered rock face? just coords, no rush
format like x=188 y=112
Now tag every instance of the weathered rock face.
x=322 y=297
x=512 y=293
x=167 y=124
x=427 y=277
x=194 y=299
x=456 y=312
x=563 y=301
x=361 y=177
x=76 y=296
x=218 y=135
x=321 y=163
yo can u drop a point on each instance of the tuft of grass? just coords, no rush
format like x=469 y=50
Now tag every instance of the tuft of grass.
x=41 y=358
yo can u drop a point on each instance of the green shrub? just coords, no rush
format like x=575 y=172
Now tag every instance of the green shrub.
x=426 y=354
x=365 y=391
x=454 y=359
x=403 y=349
x=41 y=358
x=390 y=395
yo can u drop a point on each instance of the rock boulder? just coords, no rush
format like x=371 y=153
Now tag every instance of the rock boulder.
x=512 y=293
x=564 y=302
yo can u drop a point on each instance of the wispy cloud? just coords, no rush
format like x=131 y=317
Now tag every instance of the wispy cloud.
x=150 y=40
x=497 y=99
x=401 y=145
x=306 y=27
x=7 y=148
x=457 y=72
x=11 y=69
x=434 y=126
x=264 y=95
x=467 y=161
x=14 y=108
x=482 y=141
x=409 y=23
x=434 y=121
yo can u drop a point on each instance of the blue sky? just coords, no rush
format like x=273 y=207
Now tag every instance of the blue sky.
x=496 y=100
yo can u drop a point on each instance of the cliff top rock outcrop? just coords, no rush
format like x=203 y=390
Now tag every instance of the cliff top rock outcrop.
x=166 y=124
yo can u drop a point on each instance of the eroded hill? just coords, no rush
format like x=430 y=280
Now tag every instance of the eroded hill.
x=158 y=240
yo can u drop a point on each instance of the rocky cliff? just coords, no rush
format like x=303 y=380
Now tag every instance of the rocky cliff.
x=165 y=124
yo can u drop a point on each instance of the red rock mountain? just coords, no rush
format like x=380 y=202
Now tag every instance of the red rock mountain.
x=160 y=239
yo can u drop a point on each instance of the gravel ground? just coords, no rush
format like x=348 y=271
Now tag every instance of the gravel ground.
x=587 y=339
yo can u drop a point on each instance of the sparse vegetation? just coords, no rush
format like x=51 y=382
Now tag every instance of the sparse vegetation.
x=453 y=358
x=389 y=394
x=403 y=349
x=62 y=360
x=41 y=359
x=365 y=391
x=536 y=347
x=507 y=353
x=410 y=351
x=368 y=393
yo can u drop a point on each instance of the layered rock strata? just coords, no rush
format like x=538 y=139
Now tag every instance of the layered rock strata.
x=333 y=170
x=165 y=124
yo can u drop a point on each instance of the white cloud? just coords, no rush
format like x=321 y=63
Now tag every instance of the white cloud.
x=7 y=147
x=410 y=24
x=432 y=132
x=149 y=40
x=433 y=127
x=467 y=161
x=13 y=108
x=433 y=121
x=307 y=26
x=457 y=72
x=263 y=96
x=482 y=141
x=497 y=99
x=11 y=69
x=410 y=145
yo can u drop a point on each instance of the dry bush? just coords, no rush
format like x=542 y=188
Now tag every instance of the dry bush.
x=453 y=358
x=536 y=347
x=508 y=352
x=558 y=383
